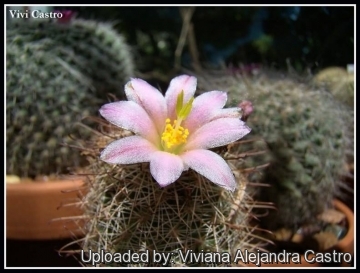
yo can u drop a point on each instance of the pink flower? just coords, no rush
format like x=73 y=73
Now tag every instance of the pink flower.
x=174 y=132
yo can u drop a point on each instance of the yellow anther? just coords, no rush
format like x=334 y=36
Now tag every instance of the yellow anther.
x=174 y=135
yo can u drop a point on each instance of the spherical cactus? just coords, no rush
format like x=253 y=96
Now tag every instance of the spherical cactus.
x=56 y=75
x=309 y=135
x=338 y=81
x=139 y=205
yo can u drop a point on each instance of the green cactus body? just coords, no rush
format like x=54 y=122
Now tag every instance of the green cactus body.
x=309 y=135
x=56 y=74
x=128 y=211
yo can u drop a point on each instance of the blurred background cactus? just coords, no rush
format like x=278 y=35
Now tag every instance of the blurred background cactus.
x=56 y=74
x=339 y=81
x=310 y=140
x=93 y=48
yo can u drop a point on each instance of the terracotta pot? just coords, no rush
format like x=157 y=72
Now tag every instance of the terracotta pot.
x=42 y=210
x=346 y=245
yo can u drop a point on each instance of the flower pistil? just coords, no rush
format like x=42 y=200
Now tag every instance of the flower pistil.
x=175 y=135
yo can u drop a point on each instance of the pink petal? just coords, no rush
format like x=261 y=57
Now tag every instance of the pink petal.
x=165 y=167
x=184 y=82
x=130 y=116
x=150 y=99
x=217 y=133
x=211 y=166
x=204 y=106
x=234 y=112
x=128 y=150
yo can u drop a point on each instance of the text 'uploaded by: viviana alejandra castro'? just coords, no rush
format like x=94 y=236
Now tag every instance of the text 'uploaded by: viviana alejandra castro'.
x=189 y=257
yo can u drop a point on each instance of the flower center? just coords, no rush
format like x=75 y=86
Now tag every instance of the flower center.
x=174 y=135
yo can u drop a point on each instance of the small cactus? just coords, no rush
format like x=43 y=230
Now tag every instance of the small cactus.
x=128 y=209
x=338 y=81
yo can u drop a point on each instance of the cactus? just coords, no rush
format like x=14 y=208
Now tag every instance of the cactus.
x=56 y=75
x=339 y=81
x=127 y=209
x=309 y=135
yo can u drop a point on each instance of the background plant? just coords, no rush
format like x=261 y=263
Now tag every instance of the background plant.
x=56 y=74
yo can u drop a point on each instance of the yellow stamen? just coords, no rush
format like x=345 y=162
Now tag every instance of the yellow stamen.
x=174 y=135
